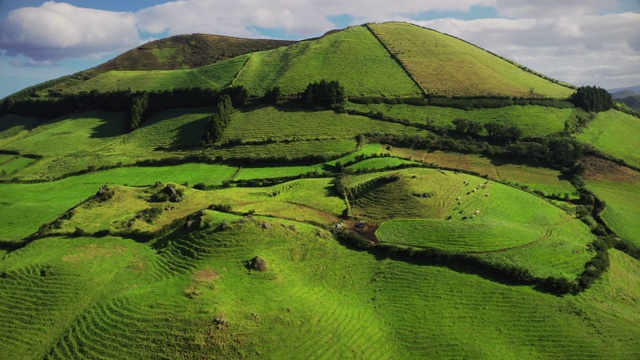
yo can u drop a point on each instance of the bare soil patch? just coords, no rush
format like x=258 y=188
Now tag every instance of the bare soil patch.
x=368 y=231
x=206 y=275
x=599 y=169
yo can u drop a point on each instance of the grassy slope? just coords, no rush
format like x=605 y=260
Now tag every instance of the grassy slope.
x=622 y=211
x=13 y=127
x=351 y=56
x=536 y=178
x=282 y=123
x=444 y=65
x=533 y=120
x=212 y=76
x=318 y=299
x=615 y=133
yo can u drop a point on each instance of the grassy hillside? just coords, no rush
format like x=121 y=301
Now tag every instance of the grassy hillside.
x=533 y=120
x=279 y=124
x=194 y=296
x=536 y=178
x=351 y=56
x=214 y=76
x=444 y=65
x=616 y=134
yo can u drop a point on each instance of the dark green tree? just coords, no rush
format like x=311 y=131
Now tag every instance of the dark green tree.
x=592 y=98
x=324 y=94
x=138 y=110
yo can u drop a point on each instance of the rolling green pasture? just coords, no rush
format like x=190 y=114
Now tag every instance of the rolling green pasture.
x=623 y=207
x=12 y=127
x=25 y=207
x=615 y=133
x=560 y=252
x=317 y=298
x=444 y=65
x=286 y=124
x=14 y=163
x=533 y=120
x=170 y=128
x=509 y=221
x=86 y=132
x=214 y=76
x=536 y=178
x=351 y=56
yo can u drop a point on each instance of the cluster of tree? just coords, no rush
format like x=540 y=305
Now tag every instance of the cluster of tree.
x=272 y=96
x=555 y=151
x=324 y=94
x=122 y=100
x=497 y=132
x=219 y=120
x=139 y=110
x=592 y=98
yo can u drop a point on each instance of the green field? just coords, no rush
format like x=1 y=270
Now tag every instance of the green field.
x=616 y=134
x=533 y=120
x=13 y=127
x=351 y=55
x=536 y=178
x=288 y=124
x=14 y=164
x=444 y=65
x=623 y=207
x=214 y=76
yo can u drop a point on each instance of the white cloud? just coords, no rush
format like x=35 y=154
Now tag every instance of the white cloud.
x=551 y=8
x=54 y=31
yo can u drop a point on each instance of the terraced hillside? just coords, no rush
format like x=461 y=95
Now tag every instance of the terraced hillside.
x=259 y=222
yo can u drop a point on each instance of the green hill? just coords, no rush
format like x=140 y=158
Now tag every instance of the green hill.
x=451 y=205
x=444 y=65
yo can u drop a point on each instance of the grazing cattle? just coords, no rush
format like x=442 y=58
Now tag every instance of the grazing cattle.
x=487 y=194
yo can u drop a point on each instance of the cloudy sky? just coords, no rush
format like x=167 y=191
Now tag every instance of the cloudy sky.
x=586 y=42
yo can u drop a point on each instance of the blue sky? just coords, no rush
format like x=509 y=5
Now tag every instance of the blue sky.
x=588 y=42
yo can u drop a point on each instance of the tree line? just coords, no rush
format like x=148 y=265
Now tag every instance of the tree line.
x=145 y=102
